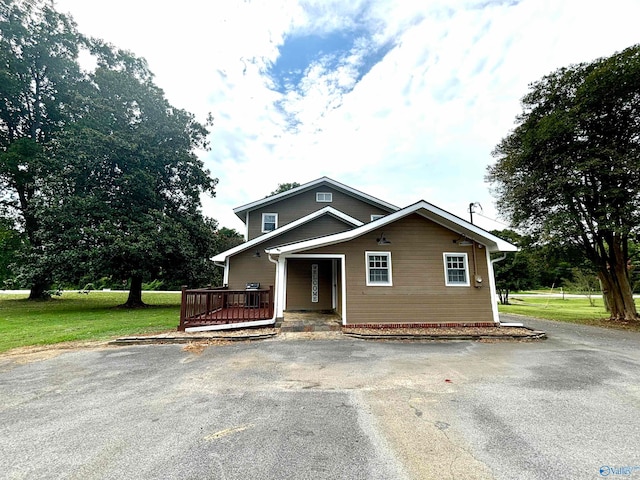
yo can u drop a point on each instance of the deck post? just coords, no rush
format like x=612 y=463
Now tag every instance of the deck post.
x=183 y=309
x=271 y=301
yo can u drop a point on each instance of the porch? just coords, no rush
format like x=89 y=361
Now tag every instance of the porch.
x=205 y=307
x=304 y=321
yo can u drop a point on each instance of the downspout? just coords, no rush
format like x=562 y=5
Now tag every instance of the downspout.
x=477 y=281
x=499 y=259
x=225 y=267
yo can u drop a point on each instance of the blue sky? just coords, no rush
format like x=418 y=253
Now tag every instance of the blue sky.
x=402 y=100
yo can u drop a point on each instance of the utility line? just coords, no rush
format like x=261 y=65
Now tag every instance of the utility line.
x=493 y=220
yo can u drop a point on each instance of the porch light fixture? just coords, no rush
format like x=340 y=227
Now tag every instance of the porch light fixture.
x=257 y=254
x=382 y=240
x=463 y=241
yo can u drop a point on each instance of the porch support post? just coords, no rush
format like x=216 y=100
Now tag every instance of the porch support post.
x=493 y=290
x=281 y=286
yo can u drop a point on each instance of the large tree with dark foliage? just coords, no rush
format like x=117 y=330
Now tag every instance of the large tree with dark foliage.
x=39 y=81
x=129 y=192
x=571 y=167
x=101 y=170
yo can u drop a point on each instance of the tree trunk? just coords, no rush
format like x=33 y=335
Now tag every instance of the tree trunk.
x=616 y=289
x=135 y=293
x=39 y=291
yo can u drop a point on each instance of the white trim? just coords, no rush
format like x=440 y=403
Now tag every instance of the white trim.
x=281 y=282
x=246 y=230
x=226 y=326
x=376 y=216
x=225 y=278
x=327 y=197
x=307 y=186
x=275 y=222
x=281 y=299
x=466 y=269
x=457 y=226
x=285 y=228
x=334 y=284
x=389 y=283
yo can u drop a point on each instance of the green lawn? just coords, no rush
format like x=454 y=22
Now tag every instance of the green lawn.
x=574 y=310
x=73 y=317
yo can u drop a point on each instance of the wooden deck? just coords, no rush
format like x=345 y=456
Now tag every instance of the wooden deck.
x=221 y=306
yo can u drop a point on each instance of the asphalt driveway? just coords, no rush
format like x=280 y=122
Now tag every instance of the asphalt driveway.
x=566 y=407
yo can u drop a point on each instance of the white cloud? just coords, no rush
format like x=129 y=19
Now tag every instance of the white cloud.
x=419 y=125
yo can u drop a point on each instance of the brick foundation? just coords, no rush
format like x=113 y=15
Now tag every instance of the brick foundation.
x=383 y=326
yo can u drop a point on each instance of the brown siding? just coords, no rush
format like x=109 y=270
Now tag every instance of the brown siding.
x=291 y=209
x=299 y=284
x=419 y=293
x=245 y=267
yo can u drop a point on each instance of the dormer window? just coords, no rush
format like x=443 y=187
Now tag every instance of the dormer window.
x=325 y=197
x=269 y=222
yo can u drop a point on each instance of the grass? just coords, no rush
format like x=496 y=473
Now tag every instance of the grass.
x=76 y=317
x=573 y=310
x=95 y=317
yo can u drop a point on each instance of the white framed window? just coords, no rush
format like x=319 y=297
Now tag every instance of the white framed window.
x=326 y=197
x=269 y=222
x=375 y=216
x=456 y=270
x=378 y=269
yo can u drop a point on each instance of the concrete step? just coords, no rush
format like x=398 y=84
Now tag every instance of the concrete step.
x=306 y=327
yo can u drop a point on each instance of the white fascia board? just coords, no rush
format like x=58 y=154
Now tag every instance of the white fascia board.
x=340 y=186
x=442 y=217
x=229 y=326
x=221 y=257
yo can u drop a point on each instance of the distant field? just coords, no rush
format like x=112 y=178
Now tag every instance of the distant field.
x=78 y=317
x=574 y=310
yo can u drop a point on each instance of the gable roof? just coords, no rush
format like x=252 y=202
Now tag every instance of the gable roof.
x=425 y=209
x=221 y=257
x=242 y=210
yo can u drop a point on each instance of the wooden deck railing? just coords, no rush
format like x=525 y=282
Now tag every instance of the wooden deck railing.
x=219 y=306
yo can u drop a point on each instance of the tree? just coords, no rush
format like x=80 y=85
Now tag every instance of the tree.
x=283 y=187
x=39 y=81
x=571 y=167
x=516 y=271
x=10 y=244
x=127 y=202
x=224 y=239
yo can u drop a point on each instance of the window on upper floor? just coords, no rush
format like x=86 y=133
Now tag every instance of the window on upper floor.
x=326 y=197
x=269 y=222
x=378 y=269
x=456 y=270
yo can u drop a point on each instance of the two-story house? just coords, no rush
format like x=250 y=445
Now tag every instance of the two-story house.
x=327 y=247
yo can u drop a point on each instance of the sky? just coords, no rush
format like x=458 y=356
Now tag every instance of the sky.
x=403 y=100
